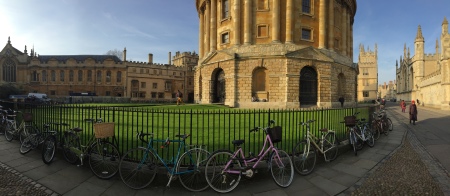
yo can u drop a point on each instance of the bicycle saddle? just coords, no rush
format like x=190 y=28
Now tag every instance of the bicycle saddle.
x=324 y=130
x=77 y=129
x=237 y=142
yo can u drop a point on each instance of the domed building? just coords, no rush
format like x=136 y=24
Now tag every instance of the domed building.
x=276 y=53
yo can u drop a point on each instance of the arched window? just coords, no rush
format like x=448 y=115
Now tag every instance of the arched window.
x=108 y=76
x=99 y=76
x=34 y=76
x=71 y=75
x=308 y=86
x=53 y=76
x=259 y=80
x=119 y=77
x=89 y=76
x=80 y=76
x=341 y=85
x=9 y=71
x=44 y=76
x=61 y=76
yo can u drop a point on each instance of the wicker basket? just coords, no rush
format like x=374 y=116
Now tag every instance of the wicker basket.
x=104 y=130
x=275 y=134
x=350 y=121
x=28 y=117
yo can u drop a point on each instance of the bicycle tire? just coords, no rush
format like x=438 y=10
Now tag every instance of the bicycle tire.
x=49 y=149
x=71 y=140
x=138 y=168
x=24 y=132
x=352 y=141
x=359 y=141
x=330 y=146
x=27 y=144
x=375 y=130
x=389 y=124
x=104 y=159
x=9 y=132
x=218 y=180
x=304 y=158
x=368 y=135
x=282 y=175
x=385 y=128
x=191 y=168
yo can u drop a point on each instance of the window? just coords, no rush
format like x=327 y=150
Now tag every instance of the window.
x=225 y=9
x=143 y=84
x=119 y=77
x=89 y=76
x=44 y=76
x=168 y=86
x=263 y=31
x=263 y=5
x=365 y=93
x=306 y=6
x=365 y=82
x=61 y=76
x=108 y=93
x=108 y=76
x=71 y=76
x=174 y=73
x=35 y=76
x=365 y=71
x=306 y=34
x=153 y=95
x=141 y=71
x=142 y=94
x=225 y=38
x=160 y=95
x=80 y=76
x=52 y=92
x=53 y=76
x=99 y=76
x=259 y=79
x=155 y=85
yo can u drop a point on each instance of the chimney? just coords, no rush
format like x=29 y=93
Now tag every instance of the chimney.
x=170 y=58
x=124 y=55
x=150 y=58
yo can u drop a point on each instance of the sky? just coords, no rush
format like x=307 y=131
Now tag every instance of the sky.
x=75 y=27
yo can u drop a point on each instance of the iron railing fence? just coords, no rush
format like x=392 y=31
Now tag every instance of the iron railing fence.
x=214 y=129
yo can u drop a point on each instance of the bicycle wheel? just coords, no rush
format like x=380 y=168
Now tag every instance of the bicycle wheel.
x=24 y=131
x=375 y=130
x=27 y=144
x=304 y=158
x=223 y=172
x=358 y=141
x=352 y=140
x=138 y=168
x=9 y=131
x=104 y=159
x=389 y=124
x=385 y=127
x=281 y=168
x=191 y=168
x=71 y=142
x=330 y=146
x=49 y=149
x=370 y=141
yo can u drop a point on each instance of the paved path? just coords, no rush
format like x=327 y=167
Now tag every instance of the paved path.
x=344 y=176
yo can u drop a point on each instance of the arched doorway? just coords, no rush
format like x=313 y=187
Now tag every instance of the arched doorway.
x=308 y=86
x=218 y=86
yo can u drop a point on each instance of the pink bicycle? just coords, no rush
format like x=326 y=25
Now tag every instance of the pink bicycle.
x=224 y=168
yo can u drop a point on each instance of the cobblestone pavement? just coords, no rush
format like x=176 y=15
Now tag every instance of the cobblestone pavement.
x=406 y=172
x=14 y=183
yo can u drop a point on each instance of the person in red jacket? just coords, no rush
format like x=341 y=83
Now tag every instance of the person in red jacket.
x=413 y=113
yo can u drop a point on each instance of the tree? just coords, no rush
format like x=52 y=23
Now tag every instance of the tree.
x=7 y=89
x=115 y=52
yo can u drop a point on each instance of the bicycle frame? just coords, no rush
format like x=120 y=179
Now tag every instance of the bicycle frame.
x=256 y=160
x=83 y=151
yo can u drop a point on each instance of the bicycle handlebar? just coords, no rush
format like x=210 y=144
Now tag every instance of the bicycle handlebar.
x=98 y=120
x=307 y=122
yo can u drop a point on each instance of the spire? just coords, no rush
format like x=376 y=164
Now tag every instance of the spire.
x=419 y=36
x=25 y=51
x=445 y=26
x=404 y=50
x=408 y=53
x=396 y=64
x=9 y=41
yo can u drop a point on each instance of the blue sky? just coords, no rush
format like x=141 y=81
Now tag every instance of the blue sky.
x=69 y=27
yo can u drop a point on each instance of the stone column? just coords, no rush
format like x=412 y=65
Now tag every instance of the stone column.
x=344 y=31
x=248 y=22
x=213 y=45
x=322 y=20
x=276 y=21
x=289 y=18
x=207 y=27
x=201 y=34
x=331 y=25
x=237 y=22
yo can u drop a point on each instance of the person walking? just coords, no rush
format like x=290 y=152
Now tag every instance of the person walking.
x=179 y=98
x=403 y=106
x=413 y=113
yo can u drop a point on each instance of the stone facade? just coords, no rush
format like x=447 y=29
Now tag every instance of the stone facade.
x=368 y=74
x=388 y=91
x=275 y=54
x=426 y=77
x=105 y=75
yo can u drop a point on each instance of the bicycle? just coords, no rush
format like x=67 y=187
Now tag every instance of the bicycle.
x=224 y=168
x=304 y=153
x=381 y=124
x=359 y=132
x=140 y=165
x=33 y=138
x=103 y=155
x=12 y=130
x=51 y=142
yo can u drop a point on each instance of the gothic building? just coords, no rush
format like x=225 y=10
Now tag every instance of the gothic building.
x=60 y=76
x=368 y=74
x=426 y=76
x=275 y=53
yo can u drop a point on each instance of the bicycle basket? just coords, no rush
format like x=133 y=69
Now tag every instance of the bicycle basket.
x=350 y=121
x=104 y=130
x=27 y=117
x=275 y=134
